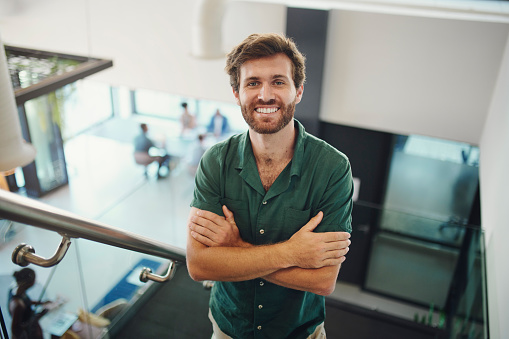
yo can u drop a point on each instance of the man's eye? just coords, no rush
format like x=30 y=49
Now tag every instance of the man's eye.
x=279 y=83
x=251 y=84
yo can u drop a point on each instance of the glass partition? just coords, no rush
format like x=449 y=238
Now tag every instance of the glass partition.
x=87 y=292
x=436 y=265
x=168 y=106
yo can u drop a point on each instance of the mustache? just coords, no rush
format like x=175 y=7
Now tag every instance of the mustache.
x=262 y=102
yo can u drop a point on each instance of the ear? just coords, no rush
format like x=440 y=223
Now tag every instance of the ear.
x=236 y=95
x=298 y=96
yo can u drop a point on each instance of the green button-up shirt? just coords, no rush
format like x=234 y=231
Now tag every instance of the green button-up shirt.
x=317 y=179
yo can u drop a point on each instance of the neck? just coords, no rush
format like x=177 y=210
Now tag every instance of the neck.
x=277 y=147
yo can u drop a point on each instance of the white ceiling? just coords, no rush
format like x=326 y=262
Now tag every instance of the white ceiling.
x=482 y=10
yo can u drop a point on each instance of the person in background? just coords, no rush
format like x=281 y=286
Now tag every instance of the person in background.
x=142 y=145
x=187 y=120
x=218 y=124
x=196 y=154
x=25 y=320
x=270 y=220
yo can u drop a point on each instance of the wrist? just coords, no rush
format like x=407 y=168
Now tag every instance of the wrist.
x=242 y=243
x=284 y=255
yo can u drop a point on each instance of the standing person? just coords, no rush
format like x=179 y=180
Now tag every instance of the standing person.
x=271 y=213
x=218 y=124
x=25 y=321
x=187 y=120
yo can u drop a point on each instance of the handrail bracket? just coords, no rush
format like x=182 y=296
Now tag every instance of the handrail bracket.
x=24 y=254
x=146 y=274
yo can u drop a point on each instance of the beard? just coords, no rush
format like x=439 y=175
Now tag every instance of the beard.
x=266 y=125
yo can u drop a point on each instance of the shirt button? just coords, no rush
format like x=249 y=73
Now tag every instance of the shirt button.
x=259 y=327
x=262 y=283
x=260 y=307
x=265 y=202
x=262 y=231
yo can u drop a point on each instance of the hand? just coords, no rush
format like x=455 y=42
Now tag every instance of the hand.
x=315 y=250
x=212 y=230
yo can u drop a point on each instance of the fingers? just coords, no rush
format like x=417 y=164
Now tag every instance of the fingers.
x=313 y=222
x=228 y=214
x=203 y=230
x=209 y=216
x=335 y=236
x=202 y=239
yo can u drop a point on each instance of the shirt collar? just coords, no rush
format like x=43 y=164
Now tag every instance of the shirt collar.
x=246 y=151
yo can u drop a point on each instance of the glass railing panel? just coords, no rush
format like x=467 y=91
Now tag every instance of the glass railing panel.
x=429 y=263
x=469 y=308
x=60 y=285
x=90 y=289
x=411 y=269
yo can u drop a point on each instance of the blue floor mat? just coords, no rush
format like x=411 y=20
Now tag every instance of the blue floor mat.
x=128 y=285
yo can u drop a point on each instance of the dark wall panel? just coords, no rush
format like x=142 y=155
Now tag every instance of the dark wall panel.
x=308 y=28
x=369 y=153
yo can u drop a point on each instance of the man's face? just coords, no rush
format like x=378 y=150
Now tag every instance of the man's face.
x=267 y=95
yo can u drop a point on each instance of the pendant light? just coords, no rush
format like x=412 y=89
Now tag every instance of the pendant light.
x=14 y=151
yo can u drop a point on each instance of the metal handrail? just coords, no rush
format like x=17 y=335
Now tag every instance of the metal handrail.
x=32 y=212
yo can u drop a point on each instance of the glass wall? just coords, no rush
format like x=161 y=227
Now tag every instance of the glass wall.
x=50 y=120
x=168 y=106
x=425 y=249
x=86 y=104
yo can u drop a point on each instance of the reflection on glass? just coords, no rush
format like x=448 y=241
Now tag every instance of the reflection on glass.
x=43 y=116
x=424 y=251
x=411 y=269
x=432 y=178
x=446 y=278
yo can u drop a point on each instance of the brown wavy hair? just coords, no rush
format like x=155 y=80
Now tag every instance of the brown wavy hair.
x=257 y=46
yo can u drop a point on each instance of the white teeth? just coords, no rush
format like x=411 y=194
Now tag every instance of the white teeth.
x=267 y=110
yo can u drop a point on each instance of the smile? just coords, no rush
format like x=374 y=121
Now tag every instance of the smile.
x=266 y=110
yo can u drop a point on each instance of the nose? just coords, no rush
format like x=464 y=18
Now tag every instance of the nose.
x=266 y=93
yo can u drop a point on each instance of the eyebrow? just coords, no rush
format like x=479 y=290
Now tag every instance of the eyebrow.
x=275 y=76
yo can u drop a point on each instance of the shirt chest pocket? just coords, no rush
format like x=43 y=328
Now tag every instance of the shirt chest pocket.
x=240 y=212
x=294 y=220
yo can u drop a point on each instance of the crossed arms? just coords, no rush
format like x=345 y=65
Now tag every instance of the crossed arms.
x=308 y=261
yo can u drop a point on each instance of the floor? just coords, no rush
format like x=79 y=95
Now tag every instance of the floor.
x=106 y=185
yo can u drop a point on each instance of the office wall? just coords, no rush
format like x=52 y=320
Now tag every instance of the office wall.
x=149 y=41
x=494 y=166
x=411 y=75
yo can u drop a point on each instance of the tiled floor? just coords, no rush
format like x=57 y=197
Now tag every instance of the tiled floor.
x=106 y=185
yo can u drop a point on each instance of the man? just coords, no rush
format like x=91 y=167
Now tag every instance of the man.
x=142 y=145
x=271 y=213
x=218 y=124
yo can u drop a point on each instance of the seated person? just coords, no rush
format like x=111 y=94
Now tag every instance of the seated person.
x=25 y=320
x=142 y=145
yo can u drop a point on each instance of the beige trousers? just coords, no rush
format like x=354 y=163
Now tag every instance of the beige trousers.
x=319 y=332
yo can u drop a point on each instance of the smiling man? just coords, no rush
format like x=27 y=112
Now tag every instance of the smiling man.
x=270 y=221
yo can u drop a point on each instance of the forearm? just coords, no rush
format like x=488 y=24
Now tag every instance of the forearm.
x=321 y=281
x=233 y=263
x=215 y=250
